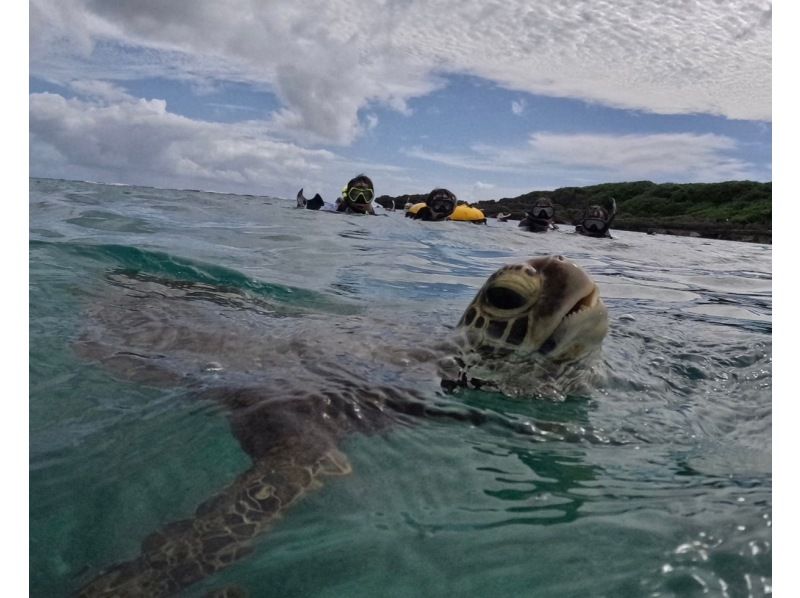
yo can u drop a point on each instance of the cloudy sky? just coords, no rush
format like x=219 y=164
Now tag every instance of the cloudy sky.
x=491 y=99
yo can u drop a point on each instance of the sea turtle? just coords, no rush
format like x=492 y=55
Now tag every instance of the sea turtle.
x=533 y=328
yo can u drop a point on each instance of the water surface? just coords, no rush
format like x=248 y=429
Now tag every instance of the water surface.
x=659 y=485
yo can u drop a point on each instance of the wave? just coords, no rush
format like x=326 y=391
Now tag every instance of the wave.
x=135 y=261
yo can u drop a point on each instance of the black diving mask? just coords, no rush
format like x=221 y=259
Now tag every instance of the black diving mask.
x=594 y=225
x=543 y=212
x=442 y=205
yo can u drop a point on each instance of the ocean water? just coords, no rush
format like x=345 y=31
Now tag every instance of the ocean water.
x=657 y=484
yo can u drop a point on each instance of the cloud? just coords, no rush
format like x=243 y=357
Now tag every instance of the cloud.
x=140 y=141
x=102 y=91
x=326 y=60
x=114 y=137
x=518 y=106
x=659 y=157
x=485 y=159
x=644 y=156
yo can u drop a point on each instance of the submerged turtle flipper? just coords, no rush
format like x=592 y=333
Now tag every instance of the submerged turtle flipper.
x=177 y=332
x=224 y=527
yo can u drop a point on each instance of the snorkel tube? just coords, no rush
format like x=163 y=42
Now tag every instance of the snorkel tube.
x=613 y=211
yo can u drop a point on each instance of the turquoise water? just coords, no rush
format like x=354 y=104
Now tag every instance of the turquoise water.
x=658 y=484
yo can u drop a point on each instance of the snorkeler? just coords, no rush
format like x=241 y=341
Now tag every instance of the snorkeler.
x=540 y=218
x=439 y=205
x=596 y=221
x=356 y=198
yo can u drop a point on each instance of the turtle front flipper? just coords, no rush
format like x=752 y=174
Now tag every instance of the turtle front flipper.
x=224 y=527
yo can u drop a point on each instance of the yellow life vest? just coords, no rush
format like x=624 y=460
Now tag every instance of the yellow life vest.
x=468 y=214
x=462 y=212
x=416 y=207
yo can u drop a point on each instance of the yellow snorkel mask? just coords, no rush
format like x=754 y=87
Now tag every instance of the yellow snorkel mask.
x=359 y=193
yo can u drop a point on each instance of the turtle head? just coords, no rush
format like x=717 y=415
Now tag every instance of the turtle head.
x=531 y=319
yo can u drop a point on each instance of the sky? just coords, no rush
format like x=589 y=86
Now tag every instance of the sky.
x=489 y=99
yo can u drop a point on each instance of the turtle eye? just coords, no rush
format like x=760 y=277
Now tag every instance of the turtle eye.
x=504 y=298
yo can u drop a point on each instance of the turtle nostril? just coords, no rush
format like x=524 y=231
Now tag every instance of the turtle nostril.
x=504 y=298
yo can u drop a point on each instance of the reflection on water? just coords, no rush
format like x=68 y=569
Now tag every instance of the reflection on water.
x=659 y=483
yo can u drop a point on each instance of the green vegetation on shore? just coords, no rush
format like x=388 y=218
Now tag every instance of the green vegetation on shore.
x=736 y=210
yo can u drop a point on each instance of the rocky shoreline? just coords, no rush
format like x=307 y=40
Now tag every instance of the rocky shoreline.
x=732 y=210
